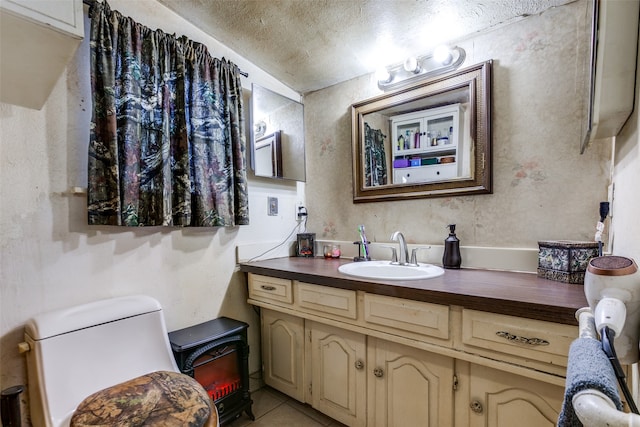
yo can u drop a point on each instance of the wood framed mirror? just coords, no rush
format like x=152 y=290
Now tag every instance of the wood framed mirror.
x=430 y=139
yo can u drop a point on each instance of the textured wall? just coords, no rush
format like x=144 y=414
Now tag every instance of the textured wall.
x=50 y=258
x=626 y=203
x=542 y=187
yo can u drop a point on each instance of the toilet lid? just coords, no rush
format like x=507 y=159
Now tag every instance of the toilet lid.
x=58 y=322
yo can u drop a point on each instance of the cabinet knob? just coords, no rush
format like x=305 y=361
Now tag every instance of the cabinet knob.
x=476 y=407
x=359 y=364
x=268 y=288
x=378 y=372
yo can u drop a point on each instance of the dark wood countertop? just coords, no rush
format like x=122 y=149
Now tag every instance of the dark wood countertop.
x=502 y=292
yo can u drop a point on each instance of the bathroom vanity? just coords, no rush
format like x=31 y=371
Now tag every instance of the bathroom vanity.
x=470 y=348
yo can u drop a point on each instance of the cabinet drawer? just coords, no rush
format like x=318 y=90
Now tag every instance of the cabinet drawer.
x=425 y=173
x=340 y=302
x=525 y=338
x=270 y=289
x=413 y=316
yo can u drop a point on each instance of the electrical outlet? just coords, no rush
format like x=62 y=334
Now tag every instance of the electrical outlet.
x=301 y=211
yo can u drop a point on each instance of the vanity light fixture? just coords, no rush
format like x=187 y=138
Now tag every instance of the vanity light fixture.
x=440 y=61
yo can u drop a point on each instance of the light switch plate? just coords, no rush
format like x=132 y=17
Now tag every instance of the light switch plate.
x=272 y=209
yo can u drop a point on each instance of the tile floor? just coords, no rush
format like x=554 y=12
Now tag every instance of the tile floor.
x=274 y=409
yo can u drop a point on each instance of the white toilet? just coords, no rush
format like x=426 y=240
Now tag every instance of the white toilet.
x=78 y=351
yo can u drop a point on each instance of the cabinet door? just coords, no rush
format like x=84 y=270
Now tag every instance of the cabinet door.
x=406 y=128
x=62 y=15
x=283 y=352
x=37 y=41
x=408 y=386
x=339 y=374
x=501 y=399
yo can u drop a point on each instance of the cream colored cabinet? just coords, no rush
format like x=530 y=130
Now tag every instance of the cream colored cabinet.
x=538 y=344
x=38 y=38
x=374 y=360
x=283 y=352
x=500 y=399
x=400 y=385
x=273 y=290
x=409 y=387
x=339 y=379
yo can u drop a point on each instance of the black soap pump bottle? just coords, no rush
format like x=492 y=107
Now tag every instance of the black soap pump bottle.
x=451 y=257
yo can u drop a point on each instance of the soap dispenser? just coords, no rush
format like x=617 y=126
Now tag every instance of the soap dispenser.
x=451 y=257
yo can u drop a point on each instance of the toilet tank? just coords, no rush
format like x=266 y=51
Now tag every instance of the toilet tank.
x=77 y=351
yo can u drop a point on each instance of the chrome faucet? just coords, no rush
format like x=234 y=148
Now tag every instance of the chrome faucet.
x=404 y=250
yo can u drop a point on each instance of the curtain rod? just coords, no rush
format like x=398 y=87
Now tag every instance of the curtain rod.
x=90 y=3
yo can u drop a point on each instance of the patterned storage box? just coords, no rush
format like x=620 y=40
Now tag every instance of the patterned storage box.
x=565 y=260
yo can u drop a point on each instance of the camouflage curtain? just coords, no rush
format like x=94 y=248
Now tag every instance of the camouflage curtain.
x=375 y=160
x=167 y=144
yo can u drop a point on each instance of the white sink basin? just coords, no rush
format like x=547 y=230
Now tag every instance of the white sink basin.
x=386 y=271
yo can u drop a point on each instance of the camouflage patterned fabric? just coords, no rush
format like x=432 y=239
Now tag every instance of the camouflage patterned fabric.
x=375 y=161
x=167 y=144
x=162 y=398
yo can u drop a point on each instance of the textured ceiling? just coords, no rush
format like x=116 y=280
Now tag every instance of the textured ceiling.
x=313 y=44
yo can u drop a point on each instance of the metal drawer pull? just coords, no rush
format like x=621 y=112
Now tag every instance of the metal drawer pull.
x=521 y=340
x=268 y=288
x=359 y=364
x=378 y=372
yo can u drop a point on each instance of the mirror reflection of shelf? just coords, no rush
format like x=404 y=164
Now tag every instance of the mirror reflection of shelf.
x=425 y=145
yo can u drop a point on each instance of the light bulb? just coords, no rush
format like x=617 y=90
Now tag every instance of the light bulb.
x=443 y=55
x=382 y=75
x=411 y=65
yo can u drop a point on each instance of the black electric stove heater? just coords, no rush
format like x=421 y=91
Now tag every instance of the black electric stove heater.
x=216 y=354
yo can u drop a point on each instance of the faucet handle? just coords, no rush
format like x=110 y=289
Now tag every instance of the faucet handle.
x=394 y=253
x=414 y=252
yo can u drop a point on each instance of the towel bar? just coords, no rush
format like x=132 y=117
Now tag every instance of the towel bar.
x=593 y=407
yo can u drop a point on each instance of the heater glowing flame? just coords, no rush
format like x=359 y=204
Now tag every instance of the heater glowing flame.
x=218 y=391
